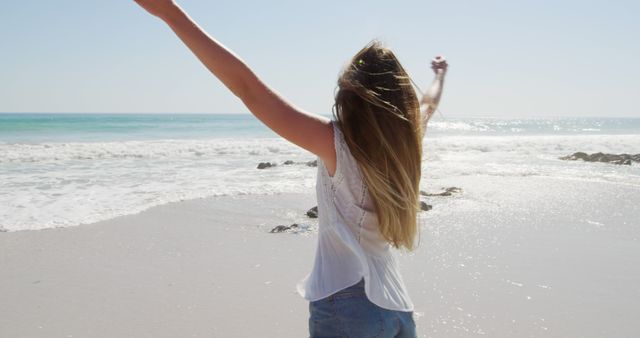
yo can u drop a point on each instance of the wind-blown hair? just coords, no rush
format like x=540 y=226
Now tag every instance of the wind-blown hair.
x=378 y=112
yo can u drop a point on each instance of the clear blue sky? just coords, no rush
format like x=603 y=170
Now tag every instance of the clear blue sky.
x=507 y=58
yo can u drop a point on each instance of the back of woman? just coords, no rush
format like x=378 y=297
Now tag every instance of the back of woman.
x=355 y=288
x=369 y=204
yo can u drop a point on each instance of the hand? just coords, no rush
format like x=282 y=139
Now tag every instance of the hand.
x=439 y=65
x=159 y=8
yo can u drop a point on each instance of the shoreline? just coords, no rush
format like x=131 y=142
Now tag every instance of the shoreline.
x=57 y=185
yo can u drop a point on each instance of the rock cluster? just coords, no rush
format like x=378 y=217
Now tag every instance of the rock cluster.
x=425 y=207
x=313 y=212
x=265 y=165
x=283 y=228
x=624 y=159
x=447 y=192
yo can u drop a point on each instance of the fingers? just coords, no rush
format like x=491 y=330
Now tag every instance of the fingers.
x=440 y=65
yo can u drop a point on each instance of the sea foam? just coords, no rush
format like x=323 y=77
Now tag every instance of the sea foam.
x=59 y=182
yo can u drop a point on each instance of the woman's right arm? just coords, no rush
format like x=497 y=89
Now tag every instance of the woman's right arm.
x=309 y=131
x=431 y=98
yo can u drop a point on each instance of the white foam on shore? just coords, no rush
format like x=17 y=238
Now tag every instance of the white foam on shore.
x=64 y=184
x=50 y=185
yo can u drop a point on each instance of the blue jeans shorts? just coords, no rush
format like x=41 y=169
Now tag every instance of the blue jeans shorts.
x=349 y=313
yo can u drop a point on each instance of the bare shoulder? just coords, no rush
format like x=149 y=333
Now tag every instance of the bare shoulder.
x=317 y=136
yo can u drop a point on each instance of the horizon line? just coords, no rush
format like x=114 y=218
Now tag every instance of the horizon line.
x=244 y=113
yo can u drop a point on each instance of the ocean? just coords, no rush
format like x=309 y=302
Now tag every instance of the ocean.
x=60 y=170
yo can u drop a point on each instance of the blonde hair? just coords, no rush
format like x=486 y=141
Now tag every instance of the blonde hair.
x=378 y=112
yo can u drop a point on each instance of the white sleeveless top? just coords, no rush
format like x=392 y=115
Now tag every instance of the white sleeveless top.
x=350 y=247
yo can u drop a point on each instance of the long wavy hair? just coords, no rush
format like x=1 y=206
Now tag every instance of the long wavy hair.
x=377 y=109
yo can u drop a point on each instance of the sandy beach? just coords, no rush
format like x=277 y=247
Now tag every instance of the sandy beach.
x=150 y=148
x=558 y=261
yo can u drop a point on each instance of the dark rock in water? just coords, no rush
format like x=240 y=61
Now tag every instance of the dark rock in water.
x=313 y=163
x=623 y=159
x=279 y=228
x=313 y=212
x=264 y=165
x=576 y=156
x=283 y=228
x=3 y=229
x=425 y=207
x=447 y=192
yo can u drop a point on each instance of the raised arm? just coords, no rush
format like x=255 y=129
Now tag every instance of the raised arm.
x=311 y=132
x=431 y=98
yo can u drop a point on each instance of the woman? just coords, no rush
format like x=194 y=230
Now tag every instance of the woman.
x=369 y=168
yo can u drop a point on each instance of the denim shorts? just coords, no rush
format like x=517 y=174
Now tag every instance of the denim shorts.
x=349 y=313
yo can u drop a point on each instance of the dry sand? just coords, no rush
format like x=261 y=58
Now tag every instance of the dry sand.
x=201 y=268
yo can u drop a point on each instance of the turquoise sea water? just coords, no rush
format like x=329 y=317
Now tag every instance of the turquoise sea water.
x=36 y=127
x=103 y=127
x=59 y=170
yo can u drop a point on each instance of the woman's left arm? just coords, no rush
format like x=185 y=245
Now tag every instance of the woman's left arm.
x=311 y=132
x=431 y=98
